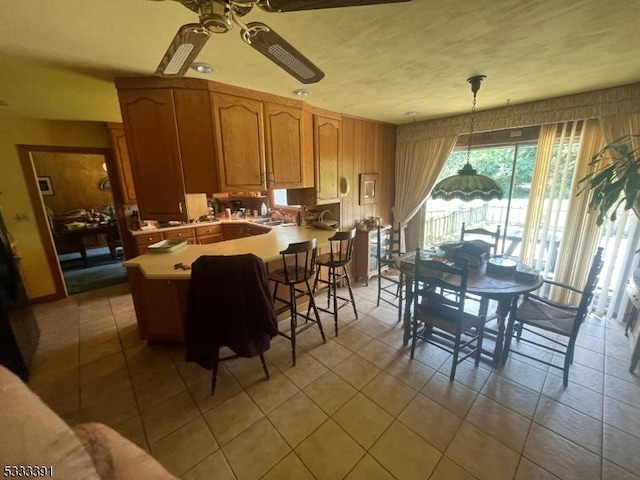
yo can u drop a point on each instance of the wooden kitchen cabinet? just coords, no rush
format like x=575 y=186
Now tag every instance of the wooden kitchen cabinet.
x=231 y=231
x=143 y=241
x=288 y=146
x=252 y=229
x=209 y=234
x=122 y=174
x=327 y=153
x=239 y=140
x=169 y=136
x=188 y=234
x=160 y=306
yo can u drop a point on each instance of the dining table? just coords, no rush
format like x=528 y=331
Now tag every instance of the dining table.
x=486 y=283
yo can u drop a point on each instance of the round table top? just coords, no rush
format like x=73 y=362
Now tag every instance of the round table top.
x=483 y=283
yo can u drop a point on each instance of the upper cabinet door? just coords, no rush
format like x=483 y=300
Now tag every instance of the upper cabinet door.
x=239 y=136
x=327 y=151
x=123 y=163
x=152 y=140
x=289 y=146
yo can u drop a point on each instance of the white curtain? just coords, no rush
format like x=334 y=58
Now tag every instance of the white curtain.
x=418 y=164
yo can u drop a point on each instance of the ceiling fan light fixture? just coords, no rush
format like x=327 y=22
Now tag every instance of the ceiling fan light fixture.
x=468 y=185
x=184 y=49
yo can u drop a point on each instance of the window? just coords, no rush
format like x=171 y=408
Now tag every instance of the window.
x=280 y=197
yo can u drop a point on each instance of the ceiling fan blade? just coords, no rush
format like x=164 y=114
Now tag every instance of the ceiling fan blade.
x=183 y=50
x=295 y=5
x=281 y=52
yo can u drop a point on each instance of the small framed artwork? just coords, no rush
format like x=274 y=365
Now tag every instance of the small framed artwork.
x=44 y=183
x=368 y=188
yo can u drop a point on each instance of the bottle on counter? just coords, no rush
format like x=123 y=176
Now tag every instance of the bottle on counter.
x=135 y=220
x=263 y=210
x=298 y=217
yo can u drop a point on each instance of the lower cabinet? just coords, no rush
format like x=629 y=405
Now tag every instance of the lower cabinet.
x=366 y=255
x=232 y=231
x=143 y=241
x=188 y=234
x=209 y=234
x=160 y=306
x=253 y=229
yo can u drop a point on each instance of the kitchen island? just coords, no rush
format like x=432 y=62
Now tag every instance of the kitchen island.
x=159 y=290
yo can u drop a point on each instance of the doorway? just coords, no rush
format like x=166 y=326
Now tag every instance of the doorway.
x=76 y=215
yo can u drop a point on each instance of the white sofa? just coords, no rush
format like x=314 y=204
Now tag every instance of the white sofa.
x=31 y=434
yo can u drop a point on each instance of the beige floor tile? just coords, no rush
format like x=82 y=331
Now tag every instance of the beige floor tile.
x=306 y=370
x=297 y=418
x=65 y=402
x=102 y=367
x=110 y=412
x=107 y=388
x=49 y=384
x=255 y=451
x=405 y=454
x=622 y=449
x=453 y=396
x=186 y=447
x=498 y=421
x=432 y=422
x=158 y=389
x=145 y=352
x=363 y=420
x=289 y=468
x=169 y=415
x=247 y=371
x=447 y=469
x=582 y=429
x=394 y=337
x=192 y=373
x=390 y=393
x=226 y=387
x=150 y=369
x=215 y=466
x=512 y=395
x=430 y=355
x=232 y=417
x=379 y=353
x=129 y=335
x=133 y=430
x=369 y=469
x=330 y=392
x=329 y=453
x=560 y=456
x=271 y=393
x=353 y=339
x=98 y=345
x=623 y=391
x=526 y=375
x=414 y=374
x=528 y=470
x=582 y=375
x=330 y=354
x=467 y=373
x=482 y=455
x=356 y=371
x=575 y=396
x=370 y=326
x=611 y=471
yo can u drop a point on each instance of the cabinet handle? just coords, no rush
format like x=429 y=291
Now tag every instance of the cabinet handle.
x=180 y=206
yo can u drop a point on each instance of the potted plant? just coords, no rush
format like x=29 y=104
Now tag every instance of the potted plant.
x=618 y=182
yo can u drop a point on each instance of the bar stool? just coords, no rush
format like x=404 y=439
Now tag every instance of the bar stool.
x=336 y=261
x=298 y=266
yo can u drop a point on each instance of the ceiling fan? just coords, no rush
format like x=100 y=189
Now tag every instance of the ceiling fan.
x=218 y=16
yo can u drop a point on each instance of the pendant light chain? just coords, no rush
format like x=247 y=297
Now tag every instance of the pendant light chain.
x=473 y=115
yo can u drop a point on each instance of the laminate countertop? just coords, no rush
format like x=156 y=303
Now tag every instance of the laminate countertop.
x=160 y=266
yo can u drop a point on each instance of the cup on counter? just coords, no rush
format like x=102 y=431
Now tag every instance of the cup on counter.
x=227 y=213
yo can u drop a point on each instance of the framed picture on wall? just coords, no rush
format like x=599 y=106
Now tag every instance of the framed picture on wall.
x=44 y=183
x=368 y=188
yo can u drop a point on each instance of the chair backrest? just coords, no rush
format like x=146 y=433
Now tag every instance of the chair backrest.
x=388 y=245
x=299 y=261
x=341 y=246
x=440 y=288
x=492 y=238
x=590 y=285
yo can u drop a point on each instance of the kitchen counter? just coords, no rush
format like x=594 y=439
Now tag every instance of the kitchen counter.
x=161 y=265
x=187 y=225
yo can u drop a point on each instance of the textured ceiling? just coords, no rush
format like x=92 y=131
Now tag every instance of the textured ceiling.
x=58 y=59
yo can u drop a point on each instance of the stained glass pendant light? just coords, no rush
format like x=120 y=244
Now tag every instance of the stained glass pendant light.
x=468 y=185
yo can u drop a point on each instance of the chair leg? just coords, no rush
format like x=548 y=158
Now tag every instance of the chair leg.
x=508 y=335
x=353 y=300
x=479 y=341
x=414 y=337
x=264 y=365
x=334 y=287
x=456 y=352
x=215 y=357
x=294 y=322
x=313 y=292
x=400 y=299
x=312 y=303
x=568 y=360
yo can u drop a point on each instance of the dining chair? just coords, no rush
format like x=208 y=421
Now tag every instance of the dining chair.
x=556 y=322
x=228 y=304
x=439 y=318
x=336 y=262
x=487 y=236
x=390 y=277
x=298 y=268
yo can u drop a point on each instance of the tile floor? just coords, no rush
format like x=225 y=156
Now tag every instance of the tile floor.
x=354 y=408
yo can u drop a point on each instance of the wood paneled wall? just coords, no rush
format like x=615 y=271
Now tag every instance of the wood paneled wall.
x=367 y=147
